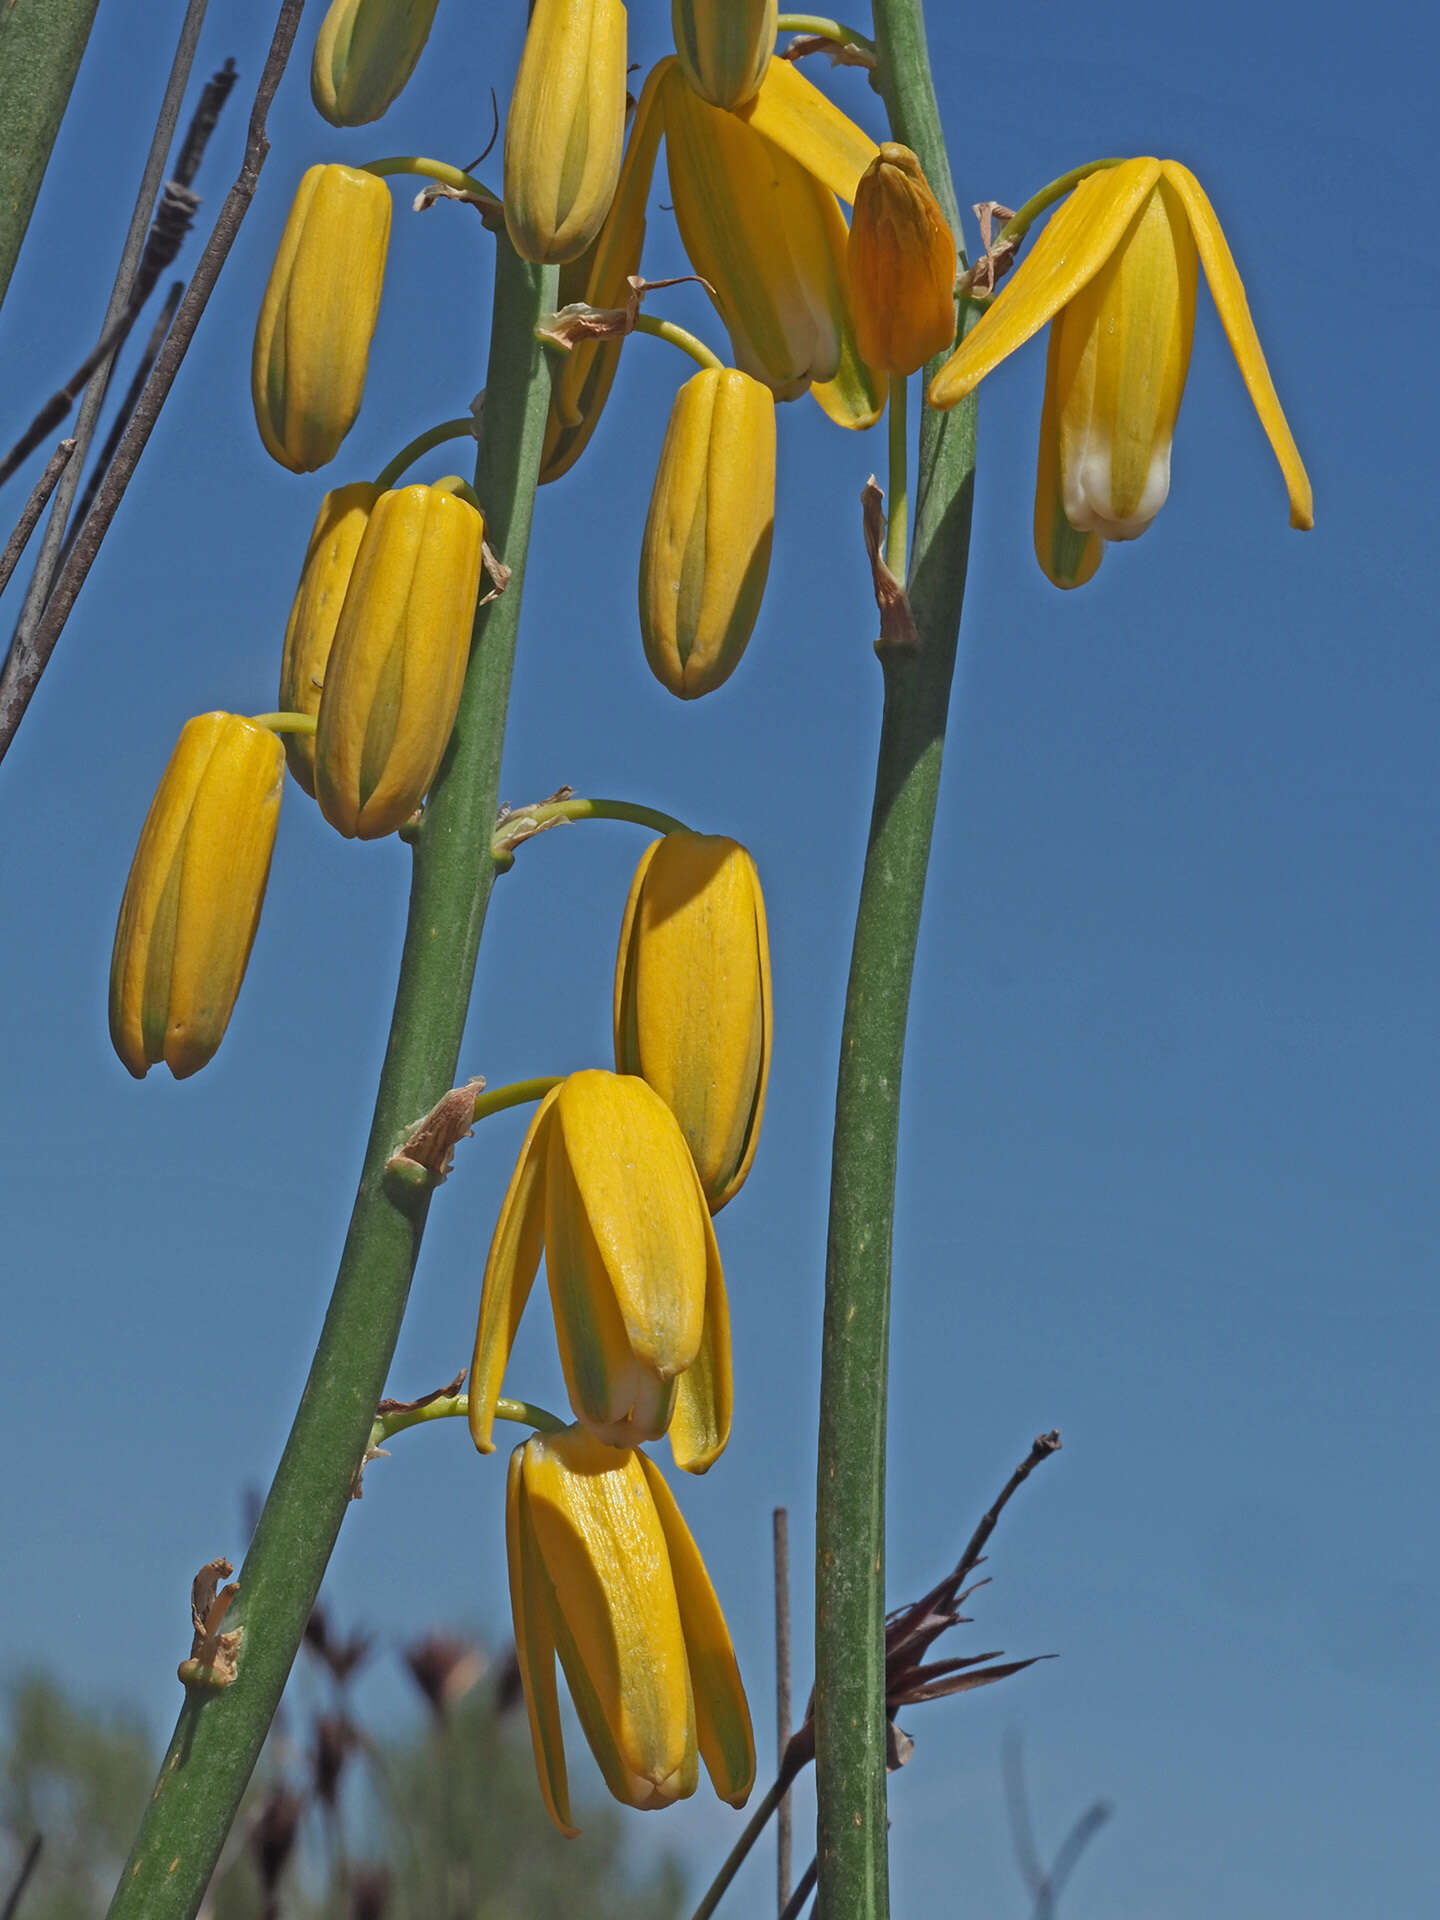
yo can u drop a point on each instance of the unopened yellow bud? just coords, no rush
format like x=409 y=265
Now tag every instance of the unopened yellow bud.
x=312 y=341
x=192 y=902
x=566 y=128
x=706 y=550
x=310 y=630
x=397 y=662
x=724 y=46
x=606 y=1187
x=692 y=998
x=365 y=52
x=604 y=1572
x=901 y=265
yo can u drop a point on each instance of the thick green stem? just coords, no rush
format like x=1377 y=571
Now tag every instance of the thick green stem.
x=219 y=1736
x=897 y=504
x=850 y=1518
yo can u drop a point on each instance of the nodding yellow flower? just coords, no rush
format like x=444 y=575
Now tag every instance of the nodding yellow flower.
x=605 y=1185
x=329 y=561
x=901 y=265
x=397 y=663
x=692 y=998
x=312 y=341
x=364 y=53
x=1116 y=270
x=724 y=46
x=566 y=128
x=604 y=1573
x=765 y=234
x=192 y=901
x=706 y=550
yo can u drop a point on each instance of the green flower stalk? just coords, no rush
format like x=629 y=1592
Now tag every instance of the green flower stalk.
x=604 y=1573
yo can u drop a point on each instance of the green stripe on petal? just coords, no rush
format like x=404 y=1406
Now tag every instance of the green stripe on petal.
x=704 y=1398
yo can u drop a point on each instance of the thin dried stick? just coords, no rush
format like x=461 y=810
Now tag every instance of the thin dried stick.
x=781 y=1522
x=28 y=662
x=32 y=510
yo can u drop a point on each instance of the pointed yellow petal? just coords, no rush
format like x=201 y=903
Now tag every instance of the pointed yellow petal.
x=705 y=1393
x=722 y=1714
x=509 y=1275
x=618 y=1630
x=806 y=124
x=1228 y=293
x=1078 y=239
x=1067 y=557
x=535 y=1648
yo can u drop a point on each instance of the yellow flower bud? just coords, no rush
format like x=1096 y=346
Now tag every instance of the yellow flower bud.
x=310 y=630
x=767 y=237
x=312 y=341
x=901 y=265
x=192 y=902
x=692 y=998
x=566 y=127
x=604 y=1572
x=706 y=550
x=606 y=1187
x=724 y=46
x=397 y=662
x=365 y=52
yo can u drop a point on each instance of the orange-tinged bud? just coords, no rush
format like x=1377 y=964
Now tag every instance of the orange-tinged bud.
x=310 y=630
x=566 y=128
x=192 y=902
x=397 y=662
x=692 y=998
x=364 y=53
x=724 y=46
x=312 y=341
x=900 y=263
x=706 y=551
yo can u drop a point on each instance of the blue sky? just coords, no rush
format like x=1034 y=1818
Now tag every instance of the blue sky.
x=1168 y=1135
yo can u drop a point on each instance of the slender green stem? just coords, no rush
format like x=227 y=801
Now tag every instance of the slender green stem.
x=285 y=722
x=826 y=29
x=678 y=337
x=1020 y=222
x=850 y=1516
x=421 y=444
x=526 y=822
x=440 y=170
x=456 y=1406
x=499 y=1099
x=218 y=1739
x=897 y=505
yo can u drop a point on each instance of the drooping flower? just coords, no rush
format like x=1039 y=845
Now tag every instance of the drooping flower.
x=315 y=611
x=192 y=901
x=1115 y=273
x=604 y=1573
x=725 y=46
x=397 y=663
x=706 y=550
x=364 y=53
x=692 y=998
x=901 y=265
x=606 y=1187
x=566 y=128
x=312 y=340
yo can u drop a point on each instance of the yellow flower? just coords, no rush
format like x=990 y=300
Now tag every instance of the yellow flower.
x=901 y=265
x=606 y=1186
x=566 y=127
x=1116 y=271
x=192 y=902
x=706 y=550
x=692 y=998
x=312 y=341
x=329 y=561
x=762 y=226
x=397 y=663
x=724 y=46
x=364 y=53
x=604 y=1573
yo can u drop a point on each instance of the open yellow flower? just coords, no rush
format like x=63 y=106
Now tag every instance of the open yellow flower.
x=604 y=1573
x=605 y=1185
x=692 y=998
x=1116 y=270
